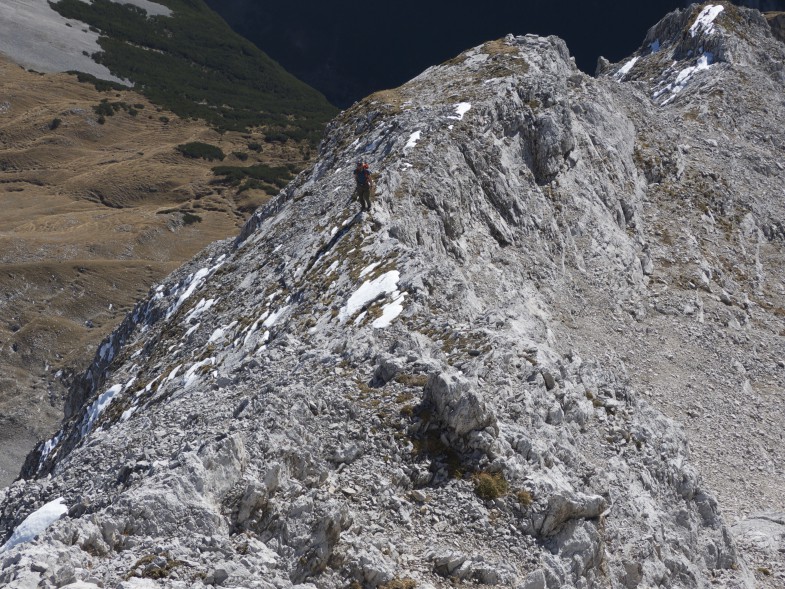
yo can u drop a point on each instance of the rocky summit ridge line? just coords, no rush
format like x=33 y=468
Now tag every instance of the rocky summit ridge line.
x=469 y=383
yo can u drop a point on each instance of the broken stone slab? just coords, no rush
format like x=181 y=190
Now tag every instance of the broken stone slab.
x=458 y=404
x=565 y=506
x=763 y=531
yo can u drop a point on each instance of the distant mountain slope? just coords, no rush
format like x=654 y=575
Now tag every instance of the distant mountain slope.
x=181 y=56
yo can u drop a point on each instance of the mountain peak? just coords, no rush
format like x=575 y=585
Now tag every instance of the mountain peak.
x=686 y=43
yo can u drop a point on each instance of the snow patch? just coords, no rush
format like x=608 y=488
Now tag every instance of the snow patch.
x=151 y=8
x=370 y=289
x=270 y=321
x=368 y=269
x=36 y=523
x=201 y=307
x=193 y=282
x=625 y=69
x=191 y=377
x=705 y=20
x=50 y=445
x=35 y=36
x=98 y=406
x=390 y=312
x=655 y=46
x=684 y=76
x=173 y=374
x=461 y=109
x=413 y=139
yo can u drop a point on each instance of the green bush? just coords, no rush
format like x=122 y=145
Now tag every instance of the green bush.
x=525 y=498
x=277 y=176
x=104 y=109
x=55 y=124
x=490 y=485
x=240 y=155
x=276 y=137
x=199 y=150
x=190 y=218
x=100 y=85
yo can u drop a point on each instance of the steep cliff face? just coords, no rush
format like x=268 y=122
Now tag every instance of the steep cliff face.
x=468 y=383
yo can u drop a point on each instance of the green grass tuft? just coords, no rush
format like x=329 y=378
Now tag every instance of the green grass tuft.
x=490 y=485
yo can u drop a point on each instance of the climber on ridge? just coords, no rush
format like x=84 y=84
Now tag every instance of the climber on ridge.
x=362 y=175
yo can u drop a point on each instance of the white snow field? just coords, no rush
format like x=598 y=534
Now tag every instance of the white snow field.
x=36 y=37
x=35 y=523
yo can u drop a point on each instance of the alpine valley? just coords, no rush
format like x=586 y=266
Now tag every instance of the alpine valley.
x=552 y=356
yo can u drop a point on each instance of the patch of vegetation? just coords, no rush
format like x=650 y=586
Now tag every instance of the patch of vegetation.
x=155 y=572
x=104 y=109
x=253 y=146
x=525 y=498
x=404 y=397
x=55 y=124
x=764 y=571
x=98 y=83
x=240 y=155
x=405 y=583
x=193 y=64
x=199 y=150
x=190 y=218
x=260 y=176
x=490 y=485
x=276 y=137
x=108 y=109
x=499 y=47
x=412 y=380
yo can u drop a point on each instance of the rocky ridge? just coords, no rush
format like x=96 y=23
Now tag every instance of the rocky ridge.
x=468 y=384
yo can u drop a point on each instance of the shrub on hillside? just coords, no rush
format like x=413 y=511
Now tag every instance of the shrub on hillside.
x=490 y=485
x=199 y=150
x=256 y=176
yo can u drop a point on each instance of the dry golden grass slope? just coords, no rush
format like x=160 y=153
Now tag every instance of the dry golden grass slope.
x=92 y=216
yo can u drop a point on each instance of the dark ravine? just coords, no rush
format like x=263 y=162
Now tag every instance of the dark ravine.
x=479 y=380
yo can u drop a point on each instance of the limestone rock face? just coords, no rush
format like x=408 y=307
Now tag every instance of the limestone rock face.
x=777 y=24
x=479 y=379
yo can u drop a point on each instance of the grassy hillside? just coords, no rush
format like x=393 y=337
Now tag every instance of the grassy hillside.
x=193 y=64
